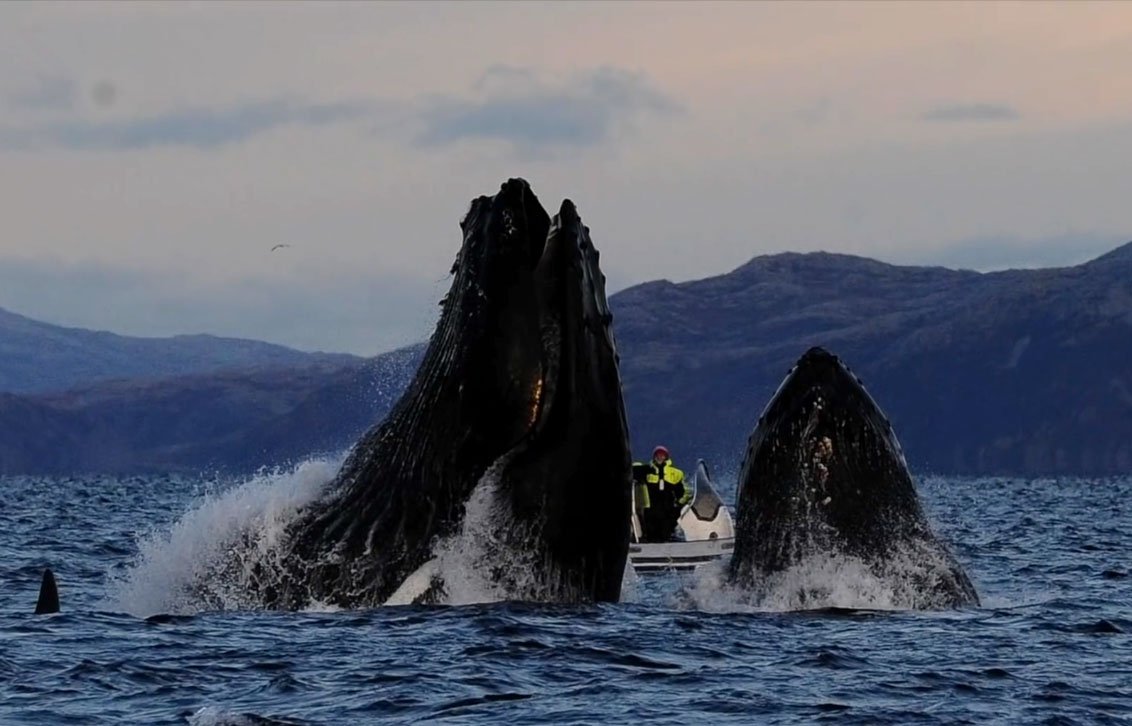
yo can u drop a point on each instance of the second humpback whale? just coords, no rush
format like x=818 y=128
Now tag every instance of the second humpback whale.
x=825 y=475
x=519 y=389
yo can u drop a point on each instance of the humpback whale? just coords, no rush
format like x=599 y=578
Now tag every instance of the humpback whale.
x=824 y=474
x=519 y=385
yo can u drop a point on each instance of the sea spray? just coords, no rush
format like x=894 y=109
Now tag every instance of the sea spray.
x=492 y=558
x=205 y=560
x=912 y=578
x=630 y=584
x=223 y=553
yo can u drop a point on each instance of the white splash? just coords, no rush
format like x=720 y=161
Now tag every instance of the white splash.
x=216 y=716
x=630 y=584
x=906 y=580
x=485 y=561
x=172 y=566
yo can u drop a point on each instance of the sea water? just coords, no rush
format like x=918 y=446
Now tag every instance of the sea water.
x=1050 y=643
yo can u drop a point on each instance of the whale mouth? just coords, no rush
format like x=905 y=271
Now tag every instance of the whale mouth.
x=565 y=479
x=826 y=444
x=526 y=285
x=539 y=280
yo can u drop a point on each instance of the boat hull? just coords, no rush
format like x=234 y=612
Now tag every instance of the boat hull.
x=678 y=556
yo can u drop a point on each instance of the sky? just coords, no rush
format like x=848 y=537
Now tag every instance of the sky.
x=153 y=154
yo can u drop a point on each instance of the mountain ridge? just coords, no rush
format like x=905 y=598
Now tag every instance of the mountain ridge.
x=36 y=356
x=924 y=336
x=1014 y=372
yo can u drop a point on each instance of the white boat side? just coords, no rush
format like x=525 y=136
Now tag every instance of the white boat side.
x=680 y=556
x=709 y=533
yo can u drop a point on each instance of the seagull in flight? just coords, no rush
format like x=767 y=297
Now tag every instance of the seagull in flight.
x=276 y=247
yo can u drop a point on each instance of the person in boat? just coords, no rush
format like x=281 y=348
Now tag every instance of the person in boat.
x=660 y=496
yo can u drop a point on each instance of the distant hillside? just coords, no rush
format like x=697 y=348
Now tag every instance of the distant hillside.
x=237 y=420
x=37 y=357
x=1017 y=372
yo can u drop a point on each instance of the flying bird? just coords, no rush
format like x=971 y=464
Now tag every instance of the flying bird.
x=278 y=246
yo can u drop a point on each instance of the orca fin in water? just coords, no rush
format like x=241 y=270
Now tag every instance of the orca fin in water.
x=48 y=595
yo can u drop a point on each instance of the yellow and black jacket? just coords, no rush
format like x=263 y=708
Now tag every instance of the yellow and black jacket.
x=650 y=475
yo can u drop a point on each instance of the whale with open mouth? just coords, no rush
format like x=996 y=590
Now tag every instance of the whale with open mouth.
x=825 y=476
x=519 y=385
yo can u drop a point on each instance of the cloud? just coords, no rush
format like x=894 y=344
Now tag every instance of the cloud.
x=971 y=112
x=199 y=128
x=47 y=93
x=520 y=106
x=815 y=113
x=532 y=113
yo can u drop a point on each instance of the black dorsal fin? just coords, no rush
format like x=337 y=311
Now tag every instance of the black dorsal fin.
x=48 y=594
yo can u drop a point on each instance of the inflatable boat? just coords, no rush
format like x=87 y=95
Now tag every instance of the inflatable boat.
x=705 y=533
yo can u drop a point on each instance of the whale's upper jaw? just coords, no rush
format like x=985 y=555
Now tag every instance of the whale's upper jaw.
x=822 y=392
x=503 y=233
